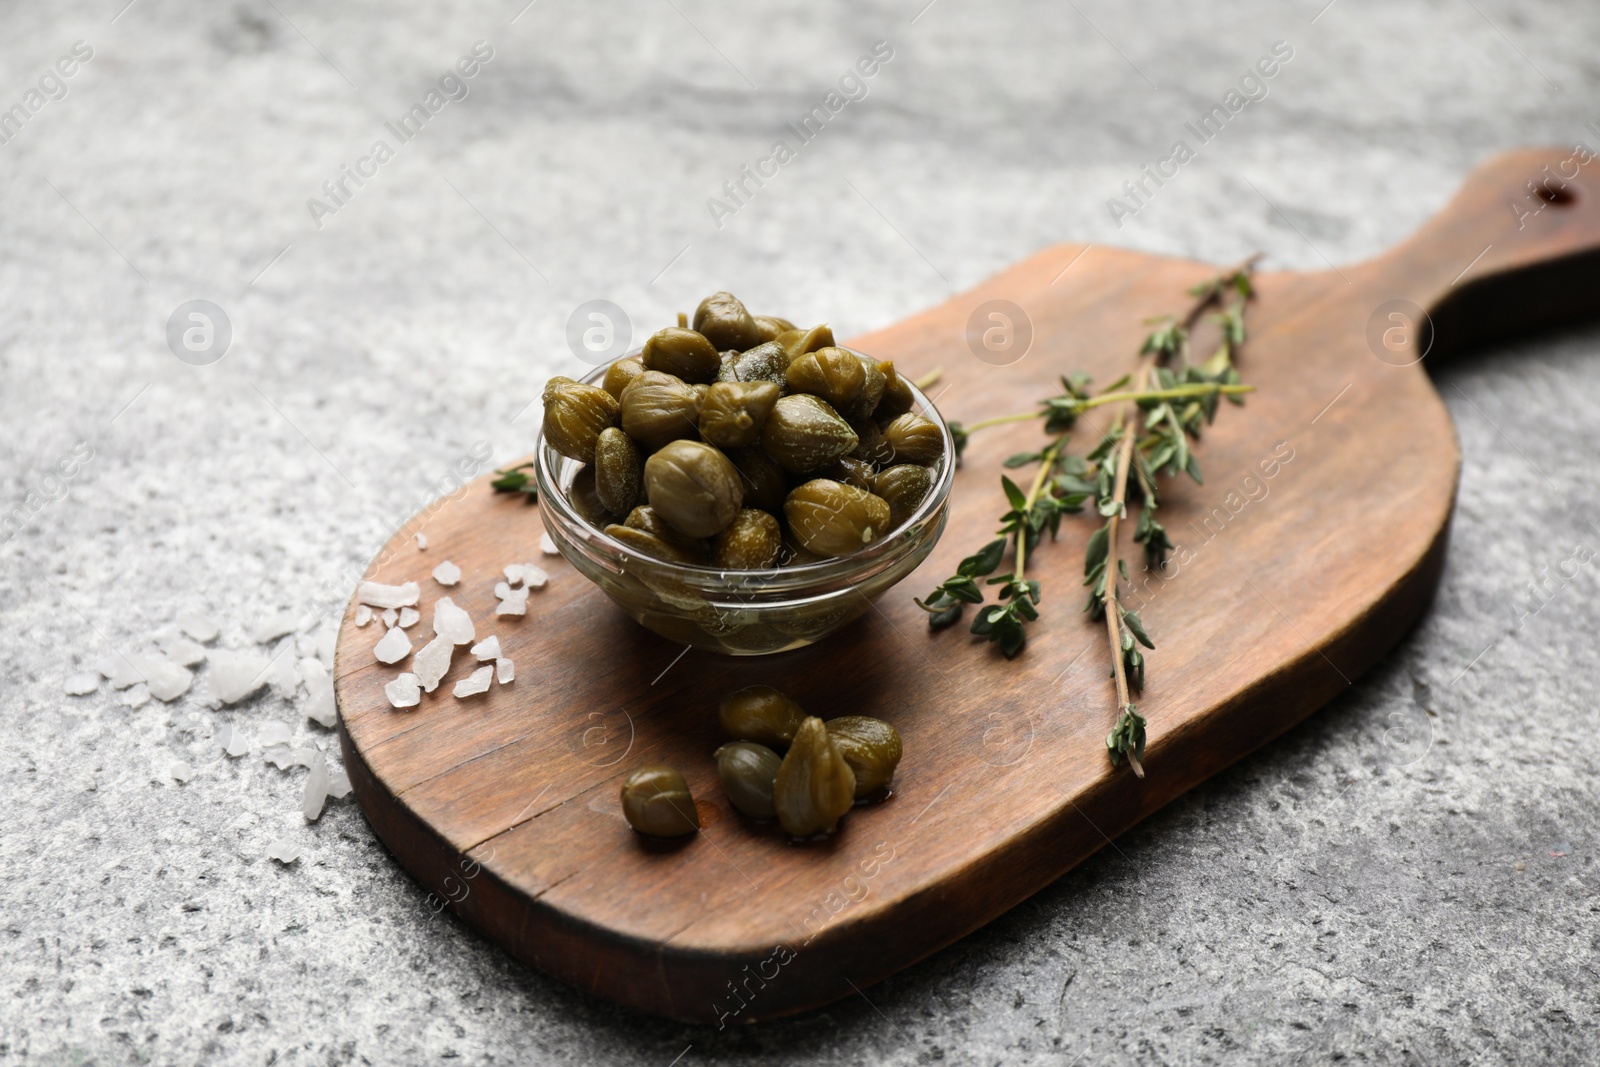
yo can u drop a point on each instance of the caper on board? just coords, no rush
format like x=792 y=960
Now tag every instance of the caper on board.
x=761 y=714
x=656 y=801
x=749 y=773
x=755 y=442
x=871 y=747
x=815 y=785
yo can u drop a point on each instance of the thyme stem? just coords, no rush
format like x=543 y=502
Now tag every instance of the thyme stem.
x=1177 y=392
x=1113 y=601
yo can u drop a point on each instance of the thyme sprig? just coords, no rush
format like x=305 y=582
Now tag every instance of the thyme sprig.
x=1161 y=410
x=514 y=480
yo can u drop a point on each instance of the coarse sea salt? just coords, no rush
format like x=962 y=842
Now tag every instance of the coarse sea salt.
x=270 y=629
x=284 y=677
x=409 y=617
x=432 y=663
x=404 y=691
x=338 y=784
x=447 y=573
x=394 y=646
x=82 y=684
x=505 y=671
x=232 y=741
x=488 y=648
x=512 y=601
x=452 y=622
x=388 y=596
x=137 y=697
x=126 y=674
x=534 y=577
x=284 y=851
x=390 y=617
x=319 y=705
x=478 y=682
x=422 y=541
x=182 y=651
x=198 y=627
x=316 y=793
x=167 y=680
x=273 y=733
x=232 y=676
x=514 y=573
x=547 y=546
x=363 y=614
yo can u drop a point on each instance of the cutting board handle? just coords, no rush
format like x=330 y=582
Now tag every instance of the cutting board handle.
x=1517 y=248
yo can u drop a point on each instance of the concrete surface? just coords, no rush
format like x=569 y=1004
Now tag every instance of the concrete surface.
x=1384 y=885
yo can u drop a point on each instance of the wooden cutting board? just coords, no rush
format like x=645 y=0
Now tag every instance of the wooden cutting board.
x=1292 y=584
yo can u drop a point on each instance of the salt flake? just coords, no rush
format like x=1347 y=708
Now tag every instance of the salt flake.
x=404 y=692
x=452 y=622
x=478 y=683
x=514 y=573
x=409 y=617
x=319 y=707
x=232 y=676
x=422 y=541
x=182 y=651
x=82 y=684
x=363 y=614
x=198 y=627
x=338 y=784
x=284 y=851
x=388 y=596
x=505 y=671
x=393 y=647
x=547 y=546
x=273 y=733
x=514 y=602
x=447 y=573
x=271 y=629
x=234 y=743
x=390 y=617
x=534 y=577
x=488 y=648
x=316 y=794
x=432 y=663
x=167 y=680
x=137 y=697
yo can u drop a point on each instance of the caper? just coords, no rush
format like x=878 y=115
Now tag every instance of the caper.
x=586 y=500
x=851 y=471
x=763 y=363
x=659 y=539
x=749 y=772
x=870 y=445
x=761 y=714
x=834 y=519
x=871 y=747
x=804 y=433
x=693 y=487
x=897 y=398
x=685 y=353
x=797 y=343
x=574 y=415
x=903 y=485
x=652 y=546
x=621 y=374
x=815 y=785
x=725 y=322
x=656 y=801
x=831 y=373
x=751 y=542
x=914 y=439
x=770 y=326
x=765 y=484
x=732 y=413
x=658 y=408
x=871 y=390
x=618 y=471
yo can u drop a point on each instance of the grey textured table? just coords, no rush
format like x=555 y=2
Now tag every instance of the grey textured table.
x=1426 y=895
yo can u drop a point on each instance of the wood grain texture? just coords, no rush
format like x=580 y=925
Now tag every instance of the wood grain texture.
x=1287 y=587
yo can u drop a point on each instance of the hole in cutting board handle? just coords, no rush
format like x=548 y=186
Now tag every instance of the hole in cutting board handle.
x=1564 y=196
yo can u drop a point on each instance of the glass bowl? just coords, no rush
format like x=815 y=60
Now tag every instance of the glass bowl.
x=741 y=612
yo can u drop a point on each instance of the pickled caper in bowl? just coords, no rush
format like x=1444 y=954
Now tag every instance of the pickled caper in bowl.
x=757 y=447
